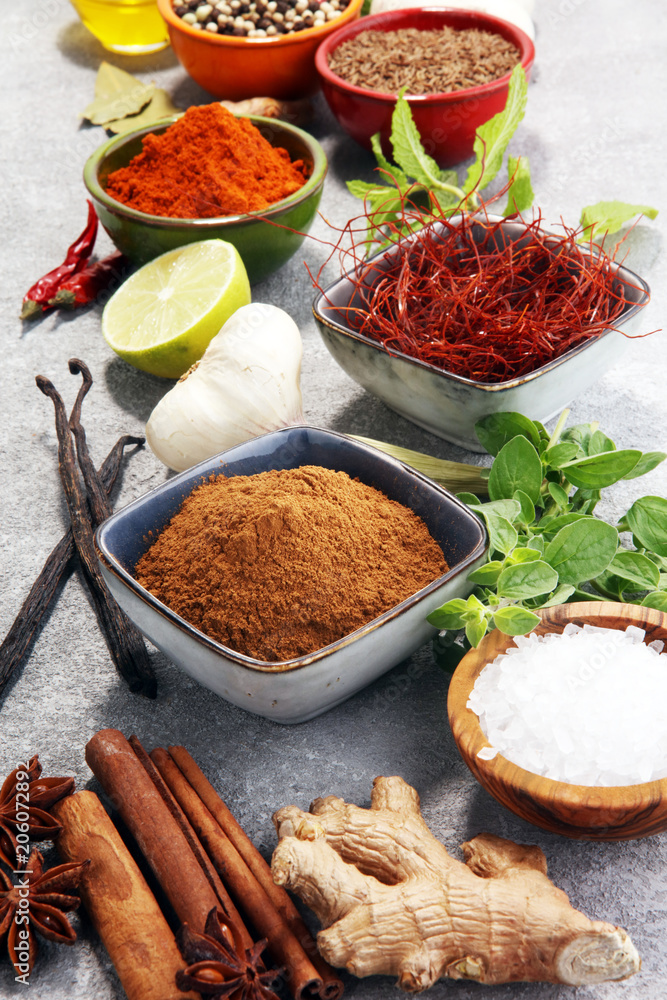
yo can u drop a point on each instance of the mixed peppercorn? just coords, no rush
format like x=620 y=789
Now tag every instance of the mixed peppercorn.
x=260 y=18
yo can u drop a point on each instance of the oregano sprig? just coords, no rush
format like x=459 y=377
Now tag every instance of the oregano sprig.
x=546 y=546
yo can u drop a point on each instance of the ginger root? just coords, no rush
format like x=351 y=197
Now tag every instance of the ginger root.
x=393 y=901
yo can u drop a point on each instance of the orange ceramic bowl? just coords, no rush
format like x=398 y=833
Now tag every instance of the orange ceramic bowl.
x=233 y=69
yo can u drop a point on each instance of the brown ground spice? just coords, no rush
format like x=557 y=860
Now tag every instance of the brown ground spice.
x=426 y=62
x=279 y=564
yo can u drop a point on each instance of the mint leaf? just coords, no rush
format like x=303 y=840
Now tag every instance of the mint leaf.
x=383 y=163
x=504 y=508
x=449 y=177
x=527 y=514
x=487 y=574
x=522 y=556
x=409 y=152
x=608 y=217
x=558 y=494
x=503 y=536
x=360 y=189
x=493 y=137
x=520 y=194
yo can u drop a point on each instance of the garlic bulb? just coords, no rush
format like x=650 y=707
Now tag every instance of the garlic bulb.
x=246 y=383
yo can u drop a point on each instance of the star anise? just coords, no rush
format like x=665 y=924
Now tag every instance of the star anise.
x=44 y=898
x=40 y=796
x=219 y=965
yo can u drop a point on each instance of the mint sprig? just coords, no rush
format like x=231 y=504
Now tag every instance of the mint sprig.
x=493 y=137
x=414 y=191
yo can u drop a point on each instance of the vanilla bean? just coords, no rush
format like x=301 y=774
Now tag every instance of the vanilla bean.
x=100 y=508
x=112 y=620
x=56 y=569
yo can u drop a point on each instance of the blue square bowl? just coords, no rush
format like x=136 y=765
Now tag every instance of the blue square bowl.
x=299 y=689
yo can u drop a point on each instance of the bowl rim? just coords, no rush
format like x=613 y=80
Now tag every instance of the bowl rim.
x=296 y=663
x=544 y=791
x=98 y=193
x=620 y=270
x=277 y=41
x=390 y=20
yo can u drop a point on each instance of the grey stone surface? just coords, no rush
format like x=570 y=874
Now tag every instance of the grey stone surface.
x=594 y=129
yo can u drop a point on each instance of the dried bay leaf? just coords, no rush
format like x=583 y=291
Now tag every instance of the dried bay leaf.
x=122 y=102
x=111 y=80
x=107 y=109
x=160 y=106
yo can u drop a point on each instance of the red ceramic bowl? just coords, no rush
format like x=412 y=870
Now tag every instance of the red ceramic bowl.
x=447 y=122
x=232 y=68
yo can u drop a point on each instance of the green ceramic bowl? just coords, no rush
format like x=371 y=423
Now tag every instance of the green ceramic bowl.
x=264 y=247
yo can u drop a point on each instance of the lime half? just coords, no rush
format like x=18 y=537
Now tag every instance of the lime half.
x=164 y=316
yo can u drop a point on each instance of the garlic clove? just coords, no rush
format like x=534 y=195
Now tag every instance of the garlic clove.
x=245 y=384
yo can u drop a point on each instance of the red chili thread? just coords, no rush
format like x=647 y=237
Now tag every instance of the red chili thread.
x=462 y=297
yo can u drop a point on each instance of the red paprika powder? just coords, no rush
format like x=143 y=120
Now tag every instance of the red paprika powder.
x=207 y=164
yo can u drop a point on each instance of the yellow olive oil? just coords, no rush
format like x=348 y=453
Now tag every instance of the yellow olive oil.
x=127 y=26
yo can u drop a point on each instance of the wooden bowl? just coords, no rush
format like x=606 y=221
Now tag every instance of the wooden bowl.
x=622 y=812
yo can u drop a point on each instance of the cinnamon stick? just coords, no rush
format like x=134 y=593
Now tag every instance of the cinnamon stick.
x=332 y=987
x=120 y=904
x=196 y=847
x=302 y=977
x=160 y=838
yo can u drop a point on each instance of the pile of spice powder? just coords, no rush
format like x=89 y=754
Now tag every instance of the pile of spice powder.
x=280 y=564
x=207 y=164
x=426 y=62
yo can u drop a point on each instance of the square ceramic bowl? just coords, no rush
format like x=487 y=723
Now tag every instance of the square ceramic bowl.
x=449 y=405
x=299 y=689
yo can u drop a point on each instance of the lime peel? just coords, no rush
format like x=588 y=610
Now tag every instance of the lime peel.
x=163 y=317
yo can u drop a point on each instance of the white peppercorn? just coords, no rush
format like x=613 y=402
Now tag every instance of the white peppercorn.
x=257 y=18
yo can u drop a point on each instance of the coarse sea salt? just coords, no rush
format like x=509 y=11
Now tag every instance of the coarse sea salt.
x=585 y=706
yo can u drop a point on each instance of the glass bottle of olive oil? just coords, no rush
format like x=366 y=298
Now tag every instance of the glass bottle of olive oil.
x=128 y=26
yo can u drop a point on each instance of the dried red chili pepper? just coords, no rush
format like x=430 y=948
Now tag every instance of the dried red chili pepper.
x=84 y=286
x=36 y=300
